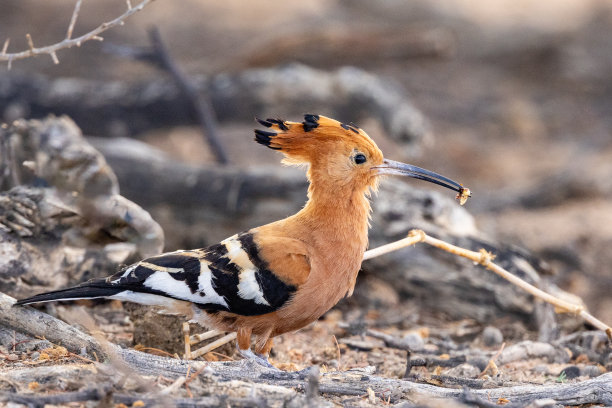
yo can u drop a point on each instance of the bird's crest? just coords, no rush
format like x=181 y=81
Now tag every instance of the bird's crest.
x=301 y=142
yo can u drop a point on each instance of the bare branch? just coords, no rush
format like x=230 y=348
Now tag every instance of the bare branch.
x=73 y=19
x=69 y=42
x=30 y=42
x=5 y=47
x=202 y=106
x=54 y=58
x=485 y=259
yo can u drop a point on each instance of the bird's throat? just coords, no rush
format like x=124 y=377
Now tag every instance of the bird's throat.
x=338 y=220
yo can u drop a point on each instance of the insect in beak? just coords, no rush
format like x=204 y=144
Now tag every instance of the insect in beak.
x=390 y=167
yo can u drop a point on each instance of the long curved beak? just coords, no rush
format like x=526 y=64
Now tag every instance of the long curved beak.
x=390 y=167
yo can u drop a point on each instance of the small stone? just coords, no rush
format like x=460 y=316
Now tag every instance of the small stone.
x=479 y=362
x=35 y=355
x=570 y=372
x=590 y=371
x=12 y=357
x=464 y=371
x=541 y=369
x=492 y=336
x=413 y=341
x=29 y=346
x=333 y=363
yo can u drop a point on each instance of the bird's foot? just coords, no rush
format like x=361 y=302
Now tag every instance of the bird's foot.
x=260 y=359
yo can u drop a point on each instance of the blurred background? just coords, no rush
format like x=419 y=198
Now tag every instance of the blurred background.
x=515 y=96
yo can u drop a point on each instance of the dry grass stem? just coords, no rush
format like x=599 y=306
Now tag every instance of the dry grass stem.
x=69 y=42
x=393 y=246
x=485 y=259
x=211 y=346
x=491 y=366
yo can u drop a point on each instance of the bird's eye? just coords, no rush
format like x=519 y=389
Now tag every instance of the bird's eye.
x=360 y=158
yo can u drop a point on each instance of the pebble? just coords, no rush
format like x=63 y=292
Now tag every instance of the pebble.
x=492 y=336
x=541 y=369
x=35 y=355
x=333 y=363
x=413 y=341
x=28 y=346
x=570 y=372
x=479 y=362
x=464 y=371
x=590 y=371
x=12 y=357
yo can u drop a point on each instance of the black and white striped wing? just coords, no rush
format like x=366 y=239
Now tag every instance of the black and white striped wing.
x=229 y=276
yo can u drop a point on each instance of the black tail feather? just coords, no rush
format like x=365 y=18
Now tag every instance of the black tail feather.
x=88 y=290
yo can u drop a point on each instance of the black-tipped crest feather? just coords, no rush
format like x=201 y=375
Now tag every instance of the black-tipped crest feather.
x=310 y=122
x=264 y=137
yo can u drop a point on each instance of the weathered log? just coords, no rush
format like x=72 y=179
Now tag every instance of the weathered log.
x=35 y=323
x=62 y=220
x=122 y=109
x=219 y=375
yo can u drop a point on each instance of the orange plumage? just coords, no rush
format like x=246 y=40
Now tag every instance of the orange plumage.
x=284 y=275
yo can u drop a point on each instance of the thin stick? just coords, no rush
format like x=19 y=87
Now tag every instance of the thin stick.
x=491 y=365
x=71 y=42
x=30 y=42
x=203 y=107
x=485 y=259
x=211 y=346
x=73 y=19
x=5 y=47
x=197 y=338
x=393 y=246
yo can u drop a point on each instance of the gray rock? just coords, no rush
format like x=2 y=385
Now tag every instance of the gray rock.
x=492 y=336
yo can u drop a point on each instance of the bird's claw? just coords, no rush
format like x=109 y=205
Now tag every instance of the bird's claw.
x=260 y=359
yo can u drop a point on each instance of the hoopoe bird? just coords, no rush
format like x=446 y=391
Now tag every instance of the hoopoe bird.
x=282 y=276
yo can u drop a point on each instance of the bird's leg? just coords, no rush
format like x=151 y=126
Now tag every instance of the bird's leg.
x=197 y=338
x=263 y=350
x=243 y=345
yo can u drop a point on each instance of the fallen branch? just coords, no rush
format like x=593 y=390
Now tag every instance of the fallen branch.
x=485 y=259
x=37 y=324
x=69 y=42
x=99 y=106
x=200 y=102
x=353 y=382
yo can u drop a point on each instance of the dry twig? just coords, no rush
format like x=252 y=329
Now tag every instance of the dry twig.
x=202 y=106
x=68 y=41
x=485 y=259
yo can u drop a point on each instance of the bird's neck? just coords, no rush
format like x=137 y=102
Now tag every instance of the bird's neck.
x=337 y=216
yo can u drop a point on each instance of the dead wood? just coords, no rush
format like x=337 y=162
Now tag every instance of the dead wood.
x=352 y=382
x=30 y=321
x=116 y=108
x=338 y=43
x=62 y=219
x=199 y=101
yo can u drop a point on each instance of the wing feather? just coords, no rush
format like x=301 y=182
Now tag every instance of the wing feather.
x=232 y=276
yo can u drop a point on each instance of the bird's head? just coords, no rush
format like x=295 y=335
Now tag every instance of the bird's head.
x=339 y=155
